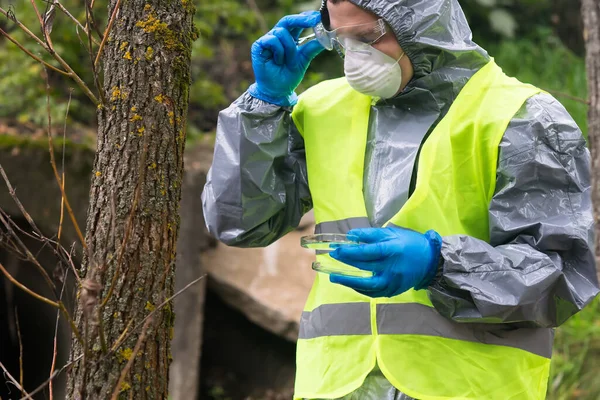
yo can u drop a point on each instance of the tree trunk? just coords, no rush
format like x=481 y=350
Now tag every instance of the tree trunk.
x=590 y=10
x=133 y=214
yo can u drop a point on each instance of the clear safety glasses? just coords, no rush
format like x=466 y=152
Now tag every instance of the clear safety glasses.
x=348 y=38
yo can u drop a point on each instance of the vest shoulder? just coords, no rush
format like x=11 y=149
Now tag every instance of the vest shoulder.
x=329 y=92
x=329 y=84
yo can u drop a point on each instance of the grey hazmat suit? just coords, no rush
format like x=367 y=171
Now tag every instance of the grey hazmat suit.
x=538 y=268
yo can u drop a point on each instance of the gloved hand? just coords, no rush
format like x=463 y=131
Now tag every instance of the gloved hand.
x=279 y=64
x=399 y=258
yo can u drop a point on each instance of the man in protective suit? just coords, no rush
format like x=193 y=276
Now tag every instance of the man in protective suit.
x=469 y=190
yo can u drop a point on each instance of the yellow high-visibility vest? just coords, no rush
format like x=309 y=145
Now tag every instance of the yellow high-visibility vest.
x=344 y=334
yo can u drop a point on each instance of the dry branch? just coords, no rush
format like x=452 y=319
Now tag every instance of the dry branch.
x=136 y=349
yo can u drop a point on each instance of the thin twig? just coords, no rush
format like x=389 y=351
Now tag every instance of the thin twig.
x=55 y=346
x=37 y=12
x=119 y=341
x=26 y=289
x=13 y=194
x=62 y=307
x=106 y=33
x=88 y=19
x=68 y=14
x=56 y=374
x=568 y=96
x=20 y=351
x=68 y=259
x=30 y=257
x=86 y=337
x=259 y=16
x=30 y=54
x=123 y=338
x=25 y=29
x=136 y=349
x=129 y=227
x=46 y=20
x=14 y=382
x=57 y=57
x=53 y=163
x=62 y=166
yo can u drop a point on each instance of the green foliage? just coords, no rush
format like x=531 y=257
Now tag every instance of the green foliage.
x=22 y=86
x=545 y=62
x=576 y=358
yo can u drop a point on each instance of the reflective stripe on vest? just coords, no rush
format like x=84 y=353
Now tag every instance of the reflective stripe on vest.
x=344 y=334
x=417 y=319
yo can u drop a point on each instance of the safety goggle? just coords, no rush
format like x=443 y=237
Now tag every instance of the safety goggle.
x=348 y=38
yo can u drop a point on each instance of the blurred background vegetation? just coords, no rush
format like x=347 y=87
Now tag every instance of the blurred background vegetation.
x=538 y=41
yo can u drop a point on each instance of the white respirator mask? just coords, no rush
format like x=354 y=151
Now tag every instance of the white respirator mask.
x=372 y=72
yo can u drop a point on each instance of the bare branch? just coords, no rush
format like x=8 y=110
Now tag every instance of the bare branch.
x=107 y=32
x=53 y=163
x=136 y=349
x=60 y=252
x=55 y=341
x=14 y=382
x=58 y=58
x=37 y=12
x=568 y=96
x=30 y=257
x=129 y=226
x=56 y=374
x=30 y=54
x=68 y=14
x=26 y=289
x=259 y=15
x=89 y=22
x=20 y=351
x=124 y=337
x=62 y=167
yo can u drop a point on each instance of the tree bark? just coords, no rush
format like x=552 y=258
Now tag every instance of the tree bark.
x=590 y=10
x=133 y=214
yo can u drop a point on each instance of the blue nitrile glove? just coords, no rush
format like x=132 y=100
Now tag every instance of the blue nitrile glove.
x=279 y=64
x=399 y=258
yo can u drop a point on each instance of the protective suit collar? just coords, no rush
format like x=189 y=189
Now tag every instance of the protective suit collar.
x=436 y=37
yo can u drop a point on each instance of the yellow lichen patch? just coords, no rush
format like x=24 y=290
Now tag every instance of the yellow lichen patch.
x=141 y=129
x=171 y=117
x=138 y=377
x=123 y=45
x=113 y=108
x=149 y=306
x=135 y=117
x=117 y=93
x=137 y=60
x=133 y=109
x=160 y=98
x=98 y=174
x=125 y=354
x=127 y=55
x=151 y=166
x=161 y=31
x=149 y=53
x=125 y=386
